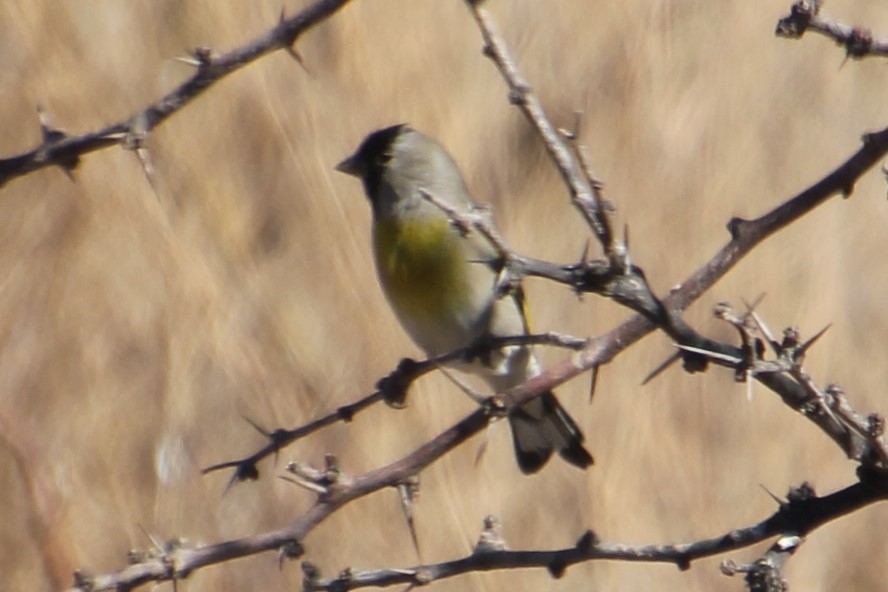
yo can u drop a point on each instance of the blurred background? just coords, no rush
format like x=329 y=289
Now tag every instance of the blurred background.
x=139 y=328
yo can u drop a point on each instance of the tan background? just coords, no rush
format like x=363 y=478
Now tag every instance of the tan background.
x=136 y=329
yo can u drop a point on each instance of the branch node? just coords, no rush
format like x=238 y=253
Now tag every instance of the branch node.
x=859 y=43
x=587 y=541
x=796 y=23
x=791 y=339
x=788 y=544
x=245 y=471
x=324 y=482
x=199 y=57
x=875 y=425
x=203 y=56
x=423 y=576
x=491 y=538
x=83 y=581
x=289 y=551
x=394 y=386
x=803 y=492
x=311 y=575
x=52 y=136
x=736 y=227
x=764 y=576
x=518 y=94
x=729 y=568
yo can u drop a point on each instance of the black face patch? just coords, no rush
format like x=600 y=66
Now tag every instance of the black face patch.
x=374 y=153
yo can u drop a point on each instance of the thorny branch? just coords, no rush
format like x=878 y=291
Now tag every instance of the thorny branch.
x=796 y=517
x=585 y=192
x=65 y=151
x=805 y=16
x=392 y=389
x=800 y=514
x=626 y=284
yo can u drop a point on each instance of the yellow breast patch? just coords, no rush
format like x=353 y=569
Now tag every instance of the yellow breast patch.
x=422 y=268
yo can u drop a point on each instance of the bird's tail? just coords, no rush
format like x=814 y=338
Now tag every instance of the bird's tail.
x=542 y=426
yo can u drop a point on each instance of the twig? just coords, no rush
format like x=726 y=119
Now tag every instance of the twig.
x=794 y=519
x=392 y=389
x=60 y=149
x=805 y=16
x=583 y=195
x=635 y=293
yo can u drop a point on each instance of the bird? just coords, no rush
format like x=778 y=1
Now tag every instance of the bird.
x=441 y=282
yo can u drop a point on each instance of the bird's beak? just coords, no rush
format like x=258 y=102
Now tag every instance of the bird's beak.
x=350 y=166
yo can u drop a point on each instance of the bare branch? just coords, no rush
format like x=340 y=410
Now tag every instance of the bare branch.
x=805 y=16
x=627 y=285
x=792 y=521
x=584 y=194
x=63 y=150
x=392 y=389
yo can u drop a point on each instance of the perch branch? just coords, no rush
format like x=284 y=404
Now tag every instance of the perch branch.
x=626 y=284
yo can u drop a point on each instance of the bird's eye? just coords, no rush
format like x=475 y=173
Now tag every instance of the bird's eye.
x=383 y=158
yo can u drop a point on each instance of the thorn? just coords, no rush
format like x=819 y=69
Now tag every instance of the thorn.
x=409 y=491
x=473 y=394
x=49 y=133
x=709 y=354
x=755 y=303
x=310 y=478
x=291 y=51
x=188 y=61
x=584 y=256
x=134 y=140
x=157 y=545
x=676 y=356
x=68 y=173
x=763 y=328
x=885 y=174
x=557 y=569
x=773 y=496
x=199 y=57
x=587 y=541
x=593 y=382
x=804 y=347
x=482 y=448
x=255 y=425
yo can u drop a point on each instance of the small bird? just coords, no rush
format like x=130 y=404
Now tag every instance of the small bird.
x=442 y=282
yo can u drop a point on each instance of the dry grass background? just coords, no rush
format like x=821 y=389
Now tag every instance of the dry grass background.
x=135 y=331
